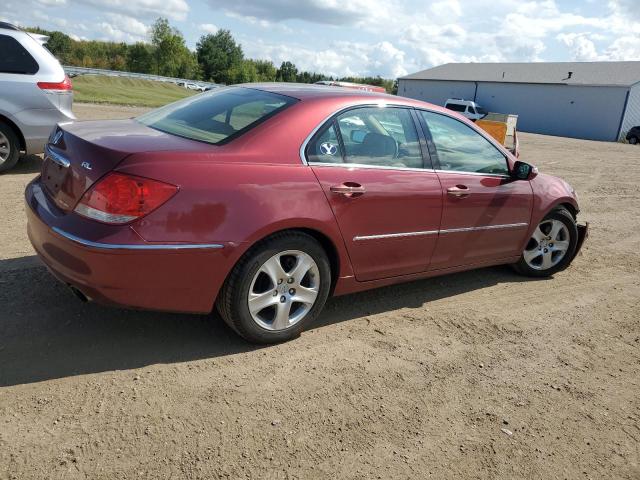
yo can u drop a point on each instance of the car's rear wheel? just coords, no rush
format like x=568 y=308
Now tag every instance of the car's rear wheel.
x=277 y=289
x=551 y=247
x=9 y=148
x=633 y=140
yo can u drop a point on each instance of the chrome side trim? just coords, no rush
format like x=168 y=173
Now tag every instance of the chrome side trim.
x=499 y=175
x=117 y=246
x=485 y=227
x=435 y=232
x=56 y=157
x=363 y=165
x=395 y=235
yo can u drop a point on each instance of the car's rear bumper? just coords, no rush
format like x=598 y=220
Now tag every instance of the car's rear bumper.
x=137 y=274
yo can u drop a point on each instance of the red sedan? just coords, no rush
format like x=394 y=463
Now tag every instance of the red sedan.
x=262 y=200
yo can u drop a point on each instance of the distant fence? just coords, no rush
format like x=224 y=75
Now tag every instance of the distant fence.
x=75 y=71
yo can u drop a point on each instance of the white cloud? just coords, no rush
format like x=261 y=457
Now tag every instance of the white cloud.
x=582 y=48
x=329 y=12
x=122 y=28
x=173 y=9
x=208 y=27
x=339 y=59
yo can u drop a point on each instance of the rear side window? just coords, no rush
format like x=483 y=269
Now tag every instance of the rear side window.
x=455 y=107
x=14 y=58
x=217 y=117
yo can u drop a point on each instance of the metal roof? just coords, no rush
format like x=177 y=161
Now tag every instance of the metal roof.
x=621 y=74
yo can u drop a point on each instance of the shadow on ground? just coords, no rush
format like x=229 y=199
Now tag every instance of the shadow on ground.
x=26 y=164
x=47 y=333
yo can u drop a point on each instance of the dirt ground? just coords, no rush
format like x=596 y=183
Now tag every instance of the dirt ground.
x=482 y=374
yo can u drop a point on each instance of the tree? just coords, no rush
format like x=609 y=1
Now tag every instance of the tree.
x=287 y=72
x=220 y=57
x=266 y=70
x=171 y=53
x=140 y=58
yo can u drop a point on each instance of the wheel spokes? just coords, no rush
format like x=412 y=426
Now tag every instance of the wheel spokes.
x=547 y=261
x=305 y=295
x=530 y=255
x=556 y=228
x=273 y=269
x=281 y=320
x=538 y=235
x=260 y=301
x=303 y=265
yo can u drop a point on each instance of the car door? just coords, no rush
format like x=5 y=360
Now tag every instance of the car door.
x=485 y=213
x=369 y=162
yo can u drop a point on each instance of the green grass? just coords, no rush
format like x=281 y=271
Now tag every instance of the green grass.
x=126 y=91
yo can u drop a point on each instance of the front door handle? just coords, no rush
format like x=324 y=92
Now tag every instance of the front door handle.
x=459 y=191
x=348 y=189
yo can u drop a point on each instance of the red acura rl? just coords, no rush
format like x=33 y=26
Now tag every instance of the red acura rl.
x=262 y=200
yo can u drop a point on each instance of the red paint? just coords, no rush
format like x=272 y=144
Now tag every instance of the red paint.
x=238 y=193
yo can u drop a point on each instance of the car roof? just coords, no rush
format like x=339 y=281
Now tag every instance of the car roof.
x=303 y=91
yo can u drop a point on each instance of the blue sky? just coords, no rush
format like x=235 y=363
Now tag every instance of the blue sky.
x=364 y=37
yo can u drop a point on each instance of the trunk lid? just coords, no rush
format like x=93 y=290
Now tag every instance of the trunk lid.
x=79 y=154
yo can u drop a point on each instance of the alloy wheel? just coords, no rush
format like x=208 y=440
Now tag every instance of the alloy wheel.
x=284 y=290
x=548 y=245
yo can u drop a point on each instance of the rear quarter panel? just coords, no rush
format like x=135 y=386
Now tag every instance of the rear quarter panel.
x=233 y=202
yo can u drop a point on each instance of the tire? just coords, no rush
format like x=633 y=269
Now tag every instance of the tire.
x=633 y=140
x=256 y=274
x=543 y=255
x=9 y=148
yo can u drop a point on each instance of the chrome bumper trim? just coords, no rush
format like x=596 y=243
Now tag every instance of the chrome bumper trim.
x=56 y=157
x=150 y=246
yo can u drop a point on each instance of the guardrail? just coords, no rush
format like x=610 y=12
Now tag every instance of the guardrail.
x=75 y=71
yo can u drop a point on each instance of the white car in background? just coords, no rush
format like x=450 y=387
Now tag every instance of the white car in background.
x=468 y=108
x=35 y=94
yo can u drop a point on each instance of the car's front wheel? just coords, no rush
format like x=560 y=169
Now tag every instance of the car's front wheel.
x=9 y=148
x=633 y=140
x=551 y=247
x=277 y=289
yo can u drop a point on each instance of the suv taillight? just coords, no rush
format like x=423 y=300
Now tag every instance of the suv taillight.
x=64 y=85
x=119 y=198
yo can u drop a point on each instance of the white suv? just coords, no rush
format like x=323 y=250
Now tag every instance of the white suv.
x=35 y=94
x=468 y=108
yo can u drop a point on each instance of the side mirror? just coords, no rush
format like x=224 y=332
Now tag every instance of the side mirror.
x=523 y=171
x=357 y=136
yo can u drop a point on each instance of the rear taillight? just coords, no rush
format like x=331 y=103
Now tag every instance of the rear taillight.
x=64 y=85
x=119 y=198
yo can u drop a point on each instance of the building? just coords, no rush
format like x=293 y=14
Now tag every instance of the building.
x=591 y=100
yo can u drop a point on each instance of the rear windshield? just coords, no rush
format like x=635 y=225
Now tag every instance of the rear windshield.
x=455 y=107
x=218 y=116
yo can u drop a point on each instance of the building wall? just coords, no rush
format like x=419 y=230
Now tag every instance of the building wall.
x=632 y=114
x=563 y=110
x=434 y=91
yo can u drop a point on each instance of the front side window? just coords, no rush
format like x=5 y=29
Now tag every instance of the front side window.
x=14 y=58
x=462 y=149
x=380 y=137
x=218 y=116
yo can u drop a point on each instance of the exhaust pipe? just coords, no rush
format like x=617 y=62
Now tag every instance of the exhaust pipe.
x=83 y=298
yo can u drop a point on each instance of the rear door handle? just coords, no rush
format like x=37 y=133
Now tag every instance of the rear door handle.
x=458 y=191
x=348 y=189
